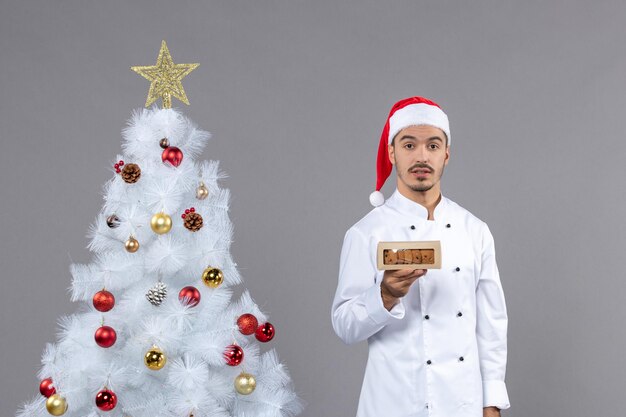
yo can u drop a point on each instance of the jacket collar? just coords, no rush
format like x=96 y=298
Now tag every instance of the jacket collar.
x=410 y=208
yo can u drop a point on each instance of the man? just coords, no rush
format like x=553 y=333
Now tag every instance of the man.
x=437 y=337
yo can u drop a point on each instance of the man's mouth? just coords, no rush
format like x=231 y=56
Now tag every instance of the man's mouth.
x=421 y=172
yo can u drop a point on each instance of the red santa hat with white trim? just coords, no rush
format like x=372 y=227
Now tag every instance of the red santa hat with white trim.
x=412 y=111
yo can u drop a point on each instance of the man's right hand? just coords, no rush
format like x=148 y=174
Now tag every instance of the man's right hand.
x=396 y=284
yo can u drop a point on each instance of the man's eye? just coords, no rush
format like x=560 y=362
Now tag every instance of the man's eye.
x=409 y=146
x=434 y=146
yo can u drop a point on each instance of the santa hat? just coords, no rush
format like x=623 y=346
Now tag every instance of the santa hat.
x=410 y=111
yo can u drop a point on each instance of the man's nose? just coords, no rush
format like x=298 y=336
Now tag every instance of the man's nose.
x=421 y=154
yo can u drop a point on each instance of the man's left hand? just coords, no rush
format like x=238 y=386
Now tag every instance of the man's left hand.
x=491 y=412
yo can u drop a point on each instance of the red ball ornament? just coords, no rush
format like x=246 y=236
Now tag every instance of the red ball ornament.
x=46 y=388
x=105 y=336
x=106 y=400
x=265 y=332
x=189 y=296
x=233 y=355
x=103 y=301
x=172 y=155
x=247 y=323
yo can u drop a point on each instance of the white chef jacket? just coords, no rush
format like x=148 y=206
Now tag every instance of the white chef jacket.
x=441 y=351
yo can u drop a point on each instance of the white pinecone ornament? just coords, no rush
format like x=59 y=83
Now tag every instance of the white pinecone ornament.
x=157 y=294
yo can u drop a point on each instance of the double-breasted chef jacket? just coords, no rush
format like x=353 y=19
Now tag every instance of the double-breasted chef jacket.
x=442 y=350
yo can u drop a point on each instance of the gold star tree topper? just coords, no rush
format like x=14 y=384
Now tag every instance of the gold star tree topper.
x=165 y=78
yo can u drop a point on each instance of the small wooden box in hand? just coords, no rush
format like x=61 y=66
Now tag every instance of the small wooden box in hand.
x=409 y=255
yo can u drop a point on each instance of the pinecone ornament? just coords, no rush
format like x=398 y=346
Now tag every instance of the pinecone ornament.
x=131 y=173
x=193 y=220
x=157 y=294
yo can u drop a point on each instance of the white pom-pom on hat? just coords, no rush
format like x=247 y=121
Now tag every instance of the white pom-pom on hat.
x=377 y=199
x=412 y=111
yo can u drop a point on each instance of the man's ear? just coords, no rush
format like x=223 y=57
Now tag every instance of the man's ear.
x=447 y=155
x=391 y=153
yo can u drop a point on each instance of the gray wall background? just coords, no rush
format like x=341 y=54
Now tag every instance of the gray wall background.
x=296 y=93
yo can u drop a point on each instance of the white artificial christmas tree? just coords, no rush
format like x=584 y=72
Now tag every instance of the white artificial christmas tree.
x=157 y=333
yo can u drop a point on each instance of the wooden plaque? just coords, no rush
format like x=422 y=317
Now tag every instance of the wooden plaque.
x=409 y=255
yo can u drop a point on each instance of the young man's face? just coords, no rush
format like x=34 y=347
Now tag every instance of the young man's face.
x=419 y=154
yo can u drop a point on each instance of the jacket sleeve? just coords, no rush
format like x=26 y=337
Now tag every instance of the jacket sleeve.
x=491 y=327
x=358 y=311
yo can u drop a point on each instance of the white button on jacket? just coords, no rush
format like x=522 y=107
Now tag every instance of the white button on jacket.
x=441 y=351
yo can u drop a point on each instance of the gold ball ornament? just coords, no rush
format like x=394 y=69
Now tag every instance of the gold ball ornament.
x=245 y=383
x=131 y=245
x=212 y=277
x=202 y=192
x=155 y=359
x=56 y=405
x=161 y=223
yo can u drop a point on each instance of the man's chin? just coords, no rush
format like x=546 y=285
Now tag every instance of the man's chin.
x=421 y=187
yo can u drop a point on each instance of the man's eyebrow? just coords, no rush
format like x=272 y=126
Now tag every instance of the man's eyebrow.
x=428 y=140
